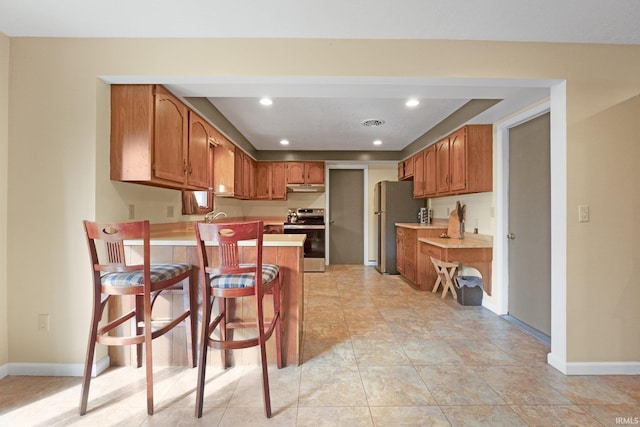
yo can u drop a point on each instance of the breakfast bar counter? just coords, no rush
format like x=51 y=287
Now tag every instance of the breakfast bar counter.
x=177 y=243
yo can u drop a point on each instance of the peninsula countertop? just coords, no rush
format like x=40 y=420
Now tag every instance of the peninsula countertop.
x=183 y=234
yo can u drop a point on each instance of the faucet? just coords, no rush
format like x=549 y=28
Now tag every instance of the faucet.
x=213 y=215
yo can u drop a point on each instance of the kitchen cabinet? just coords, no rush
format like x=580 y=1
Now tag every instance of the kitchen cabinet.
x=410 y=264
x=442 y=166
x=461 y=163
x=270 y=181
x=200 y=139
x=418 y=175
x=464 y=161
x=406 y=169
x=406 y=244
x=429 y=173
x=244 y=175
x=224 y=167
x=305 y=172
x=157 y=140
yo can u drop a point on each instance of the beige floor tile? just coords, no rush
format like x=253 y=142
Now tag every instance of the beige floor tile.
x=331 y=352
x=560 y=415
x=395 y=386
x=370 y=352
x=490 y=416
x=480 y=352
x=334 y=416
x=430 y=352
x=331 y=386
x=458 y=385
x=242 y=416
x=418 y=416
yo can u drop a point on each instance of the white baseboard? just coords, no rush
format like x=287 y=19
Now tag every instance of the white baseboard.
x=594 y=368
x=4 y=371
x=55 y=369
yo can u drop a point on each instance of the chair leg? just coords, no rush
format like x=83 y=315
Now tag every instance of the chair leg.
x=263 y=357
x=222 y=306
x=91 y=348
x=278 y=320
x=190 y=299
x=139 y=301
x=148 y=353
x=204 y=346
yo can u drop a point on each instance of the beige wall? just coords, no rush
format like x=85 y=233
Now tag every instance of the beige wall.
x=4 y=146
x=59 y=107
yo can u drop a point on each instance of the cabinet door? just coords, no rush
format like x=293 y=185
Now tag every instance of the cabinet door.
x=237 y=173
x=314 y=172
x=458 y=161
x=278 y=181
x=400 y=171
x=418 y=175
x=442 y=166
x=430 y=187
x=263 y=179
x=410 y=245
x=171 y=135
x=295 y=173
x=198 y=165
x=400 y=257
x=247 y=176
x=223 y=169
x=409 y=167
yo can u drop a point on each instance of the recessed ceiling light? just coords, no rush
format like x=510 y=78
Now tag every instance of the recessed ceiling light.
x=266 y=101
x=412 y=102
x=284 y=142
x=377 y=142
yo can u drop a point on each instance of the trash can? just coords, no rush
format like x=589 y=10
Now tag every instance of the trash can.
x=469 y=290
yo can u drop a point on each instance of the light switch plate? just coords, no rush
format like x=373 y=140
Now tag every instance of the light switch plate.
x=583 y=213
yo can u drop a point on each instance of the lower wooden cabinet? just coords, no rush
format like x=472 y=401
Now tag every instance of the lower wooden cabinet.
x=411 y=262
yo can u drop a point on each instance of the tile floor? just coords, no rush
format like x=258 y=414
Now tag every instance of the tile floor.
x=376 y=352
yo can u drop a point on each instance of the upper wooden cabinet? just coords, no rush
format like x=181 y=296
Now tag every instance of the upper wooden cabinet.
x=430 y=187
x=244 y=172
x=200 y=139
x=271 y=181
x=223 y=167
x=150 y=141
x=406 y=169
x=305 y=172
x=461 y=163
x=418 y=175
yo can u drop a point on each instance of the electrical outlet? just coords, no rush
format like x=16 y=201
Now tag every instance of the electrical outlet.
x=132 y=211
x=584 y=213
x=169 y=211
x=43 y=322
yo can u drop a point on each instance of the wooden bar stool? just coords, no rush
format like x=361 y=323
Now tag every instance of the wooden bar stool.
x=445 y=271
x=113 y=277
x=231 y=280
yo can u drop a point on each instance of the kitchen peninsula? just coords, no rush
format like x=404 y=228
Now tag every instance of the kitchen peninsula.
x=176 y=242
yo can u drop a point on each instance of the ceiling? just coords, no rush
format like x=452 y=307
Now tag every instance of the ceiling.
x=326 y=113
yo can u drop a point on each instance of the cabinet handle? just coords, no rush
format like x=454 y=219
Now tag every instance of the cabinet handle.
x=184 y=166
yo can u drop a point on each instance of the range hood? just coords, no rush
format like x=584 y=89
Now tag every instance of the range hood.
x=305 y=188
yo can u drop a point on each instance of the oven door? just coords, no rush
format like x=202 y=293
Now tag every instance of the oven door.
x=314 y=249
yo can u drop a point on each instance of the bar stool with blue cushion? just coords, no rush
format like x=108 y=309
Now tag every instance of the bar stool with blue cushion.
x=230 y=279
x=113 y=277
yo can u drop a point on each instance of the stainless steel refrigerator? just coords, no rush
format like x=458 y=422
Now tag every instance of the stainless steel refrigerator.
x=394 y=202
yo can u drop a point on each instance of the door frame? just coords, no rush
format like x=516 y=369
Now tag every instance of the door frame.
x=365 y=219
x=557 y=106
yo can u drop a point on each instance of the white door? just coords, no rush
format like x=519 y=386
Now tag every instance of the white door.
x=530 y=224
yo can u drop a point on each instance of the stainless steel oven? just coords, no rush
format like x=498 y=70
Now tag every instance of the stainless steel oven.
x=310 y=222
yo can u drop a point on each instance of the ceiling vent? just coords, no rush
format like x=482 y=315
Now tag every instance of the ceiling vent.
x=372 y=123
